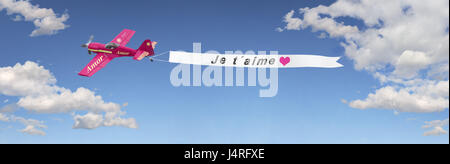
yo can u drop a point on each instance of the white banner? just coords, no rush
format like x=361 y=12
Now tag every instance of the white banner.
x=254 y=61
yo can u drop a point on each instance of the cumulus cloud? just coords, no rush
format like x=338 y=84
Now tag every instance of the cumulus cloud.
x=88 y=121
x=404 y=44
x=436 y=126
x=410 y=62
x=38 y=93
x=431 y=97
x=64 y=101
x=291 y=22
x=46 y=21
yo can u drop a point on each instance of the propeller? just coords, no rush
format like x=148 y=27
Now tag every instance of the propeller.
x=86 y=45
x=89 y=42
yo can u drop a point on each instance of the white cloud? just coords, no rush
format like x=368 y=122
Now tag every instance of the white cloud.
x=4 y=118
x=64 y=101
x=323 y=35
x=426 y=98
x=436 y=127
x=114 y=119
x=292 y=23
x=88 y=121
x=26 y=79
x=92 y=121
x=30 y=129
x=279 y=29
x=38 y=93
x=404 y=44
x=436 y=131
x=410 y=62
x=46 y=21
x=32 y=126
x=5 y=101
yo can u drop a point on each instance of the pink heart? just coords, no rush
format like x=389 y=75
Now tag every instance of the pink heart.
x=285 y=60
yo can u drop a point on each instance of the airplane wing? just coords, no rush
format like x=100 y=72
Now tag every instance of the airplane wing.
x=96 y=64
x=124 y=37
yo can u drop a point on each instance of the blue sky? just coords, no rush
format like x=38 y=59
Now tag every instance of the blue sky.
x=307 y=109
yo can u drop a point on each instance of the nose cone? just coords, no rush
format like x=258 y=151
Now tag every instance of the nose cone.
x=95 y=46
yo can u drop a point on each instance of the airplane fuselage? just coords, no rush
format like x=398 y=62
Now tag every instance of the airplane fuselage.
x=115 y=48
x=120 y=51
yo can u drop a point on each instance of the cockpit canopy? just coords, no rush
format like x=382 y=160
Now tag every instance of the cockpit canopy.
x=111 y=46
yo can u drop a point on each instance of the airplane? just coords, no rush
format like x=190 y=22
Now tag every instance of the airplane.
x=115 y=48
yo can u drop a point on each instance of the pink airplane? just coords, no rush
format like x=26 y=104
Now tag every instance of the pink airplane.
x=115 y=48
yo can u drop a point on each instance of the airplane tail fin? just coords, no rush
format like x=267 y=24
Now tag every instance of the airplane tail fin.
x=146 y=49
